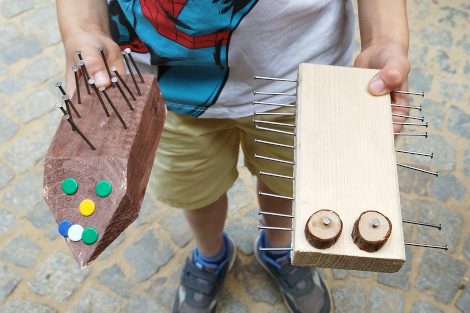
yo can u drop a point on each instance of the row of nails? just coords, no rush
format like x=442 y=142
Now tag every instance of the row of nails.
x=90 y=81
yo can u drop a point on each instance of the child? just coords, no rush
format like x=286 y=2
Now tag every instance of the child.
x=205 y=54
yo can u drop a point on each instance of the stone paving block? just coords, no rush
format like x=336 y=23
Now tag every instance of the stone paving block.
x=413 y=181
x=7 y=222
x=458 y=122
x=238 y=197
x=442 y=147
x=408 y=212
x=276 y=310
x=142 y=304
x=147 y=254
x=445 y=63
x=382 y=300
x=164 y=289
x=452 y=91
x=43 y=219
x=20 y=251
x=148 y=212
x=466 y=248
x=464 y=44
x=8 y=281
x=111 y=247
x=8 y=128
x=349 y=298
x=257 y=283
x=27 y=47
x=466 y=70
x=44 y=22
x=96 y=301
x=60 y=53
x=2 y=102
x=40 y=70
x=16 y=306
x=9 y=33
x=58 y=277
x=114 y=278
x=342 y=274
x=421 y=10
x=3 y=72
x=432 y=112
x=464 y=301
x=451 y=221
x=418 y=56
x=25 y=152
x=455 y=18
x=446 y=187
x=419 y=80
x=34 y=106
x=53 y=121
x=25 y=194
x=439 y=275
x=11 y=86
x=466 y=161
x=399 y=279
x=228 y=304
x=244 y=231
x=11 y=8
x=175 y=224
x=424 y=307
x=5 y=174
x=436 y=36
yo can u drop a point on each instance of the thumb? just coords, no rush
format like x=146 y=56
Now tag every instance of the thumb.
x=391 y=77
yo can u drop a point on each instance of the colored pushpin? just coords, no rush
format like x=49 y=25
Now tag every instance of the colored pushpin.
x=103 y=188
x=89 y=235
x=69 y=186
x=75 y=232
x=87 y=207
x=64 y=227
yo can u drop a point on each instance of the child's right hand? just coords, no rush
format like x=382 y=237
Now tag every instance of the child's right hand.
x=84 y=25
x=89 y=43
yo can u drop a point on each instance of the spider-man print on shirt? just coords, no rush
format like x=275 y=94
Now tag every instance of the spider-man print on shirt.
x=188 y=39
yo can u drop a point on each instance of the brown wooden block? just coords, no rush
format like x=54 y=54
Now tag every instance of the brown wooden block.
x=123 y=157
x=344 y=161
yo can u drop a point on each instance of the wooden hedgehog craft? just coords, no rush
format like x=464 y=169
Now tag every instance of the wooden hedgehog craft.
x=346 y=203
x=97 y=167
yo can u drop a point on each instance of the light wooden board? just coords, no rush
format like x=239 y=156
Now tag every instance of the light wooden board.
x=345 y=162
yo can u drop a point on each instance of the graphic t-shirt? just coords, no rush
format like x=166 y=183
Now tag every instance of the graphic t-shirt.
x=206 y=52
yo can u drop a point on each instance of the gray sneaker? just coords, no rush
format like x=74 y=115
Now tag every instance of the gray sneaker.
x=302 y=288
x=201 y=282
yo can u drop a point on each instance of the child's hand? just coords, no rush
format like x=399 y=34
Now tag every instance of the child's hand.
x=84 y=25
x=89 y=43
x=394 y=65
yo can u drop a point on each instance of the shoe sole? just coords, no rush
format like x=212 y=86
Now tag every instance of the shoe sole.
x=258 y=258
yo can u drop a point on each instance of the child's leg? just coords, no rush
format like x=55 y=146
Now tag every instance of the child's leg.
x=207 y=224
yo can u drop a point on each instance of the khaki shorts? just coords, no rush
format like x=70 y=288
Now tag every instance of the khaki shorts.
x=196 y=159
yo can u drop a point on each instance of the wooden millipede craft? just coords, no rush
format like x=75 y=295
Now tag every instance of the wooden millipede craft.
x=346 y=203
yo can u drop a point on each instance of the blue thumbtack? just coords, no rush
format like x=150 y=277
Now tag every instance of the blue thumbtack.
x=64 y=227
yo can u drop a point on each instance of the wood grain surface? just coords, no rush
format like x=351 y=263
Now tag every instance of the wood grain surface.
x=123 y=157
x=345 y=162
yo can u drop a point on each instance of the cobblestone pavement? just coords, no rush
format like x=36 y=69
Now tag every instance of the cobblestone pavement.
x=140 y=271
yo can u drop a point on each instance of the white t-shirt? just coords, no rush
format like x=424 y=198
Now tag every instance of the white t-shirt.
x=206 y=52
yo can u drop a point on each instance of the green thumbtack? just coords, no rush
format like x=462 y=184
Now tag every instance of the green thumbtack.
x=69 y=186
x=89 y=235
x=103 y=188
